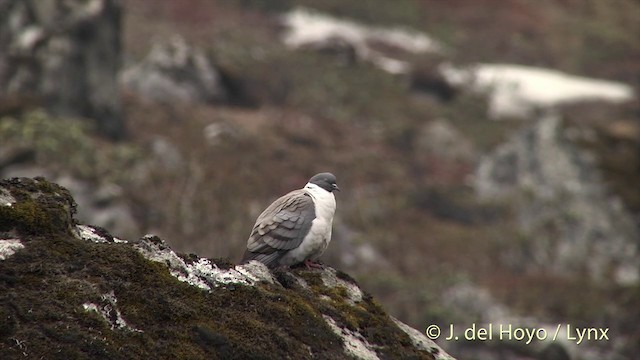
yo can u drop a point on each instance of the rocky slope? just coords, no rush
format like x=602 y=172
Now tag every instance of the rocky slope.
x=74 y=291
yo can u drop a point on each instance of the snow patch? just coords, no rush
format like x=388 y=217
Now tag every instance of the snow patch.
x=307 y=27
x=355 y=344
x=8 y=247
x=517 y=91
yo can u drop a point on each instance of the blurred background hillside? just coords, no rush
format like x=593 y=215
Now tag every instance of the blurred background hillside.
x=488 y=151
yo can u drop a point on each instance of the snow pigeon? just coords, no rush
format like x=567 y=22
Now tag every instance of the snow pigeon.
x=296 y=228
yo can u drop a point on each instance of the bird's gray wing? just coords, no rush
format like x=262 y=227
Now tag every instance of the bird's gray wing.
x=281 y=227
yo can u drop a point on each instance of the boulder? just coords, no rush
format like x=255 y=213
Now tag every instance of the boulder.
x=574 y=224
x=175 y=71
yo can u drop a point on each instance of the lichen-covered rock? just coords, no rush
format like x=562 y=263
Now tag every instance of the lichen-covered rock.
x=35 y=206
x=72 y=291
x=63 y=56
x=563 y=205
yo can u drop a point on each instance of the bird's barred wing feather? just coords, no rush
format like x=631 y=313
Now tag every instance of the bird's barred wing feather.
x=281 y=227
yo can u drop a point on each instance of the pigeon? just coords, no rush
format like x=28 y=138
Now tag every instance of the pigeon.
x=296 y=228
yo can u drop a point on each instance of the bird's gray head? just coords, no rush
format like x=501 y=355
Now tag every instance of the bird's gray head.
x=326 y=181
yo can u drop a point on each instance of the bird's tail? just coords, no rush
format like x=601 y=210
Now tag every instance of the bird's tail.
x=271 y=260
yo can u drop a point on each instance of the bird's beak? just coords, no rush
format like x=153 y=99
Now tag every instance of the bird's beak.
x=335 y=187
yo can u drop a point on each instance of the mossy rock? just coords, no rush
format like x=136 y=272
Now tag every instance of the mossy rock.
x=35 y=206
x=72 y=291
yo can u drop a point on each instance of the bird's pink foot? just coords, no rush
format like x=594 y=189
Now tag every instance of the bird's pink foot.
x=310 y=264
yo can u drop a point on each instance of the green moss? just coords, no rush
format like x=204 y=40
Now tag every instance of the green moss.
x=346 y=277
x=366 y=317
x=8 y=323
x=40 y=208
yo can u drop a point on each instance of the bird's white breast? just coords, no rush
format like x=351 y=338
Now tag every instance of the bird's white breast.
x=319 y=236
x=325 y=201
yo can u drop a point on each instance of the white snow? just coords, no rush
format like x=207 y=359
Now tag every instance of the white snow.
x=518 y=91
x=8 y=247
x=307 y=27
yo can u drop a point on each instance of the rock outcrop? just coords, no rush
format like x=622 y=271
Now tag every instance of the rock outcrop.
x=576 y=224
x=63 y=56
x=175 y=71
x=69 y=290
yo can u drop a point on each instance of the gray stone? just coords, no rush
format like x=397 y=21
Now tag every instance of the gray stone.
x=174 y=70
x=63 y=56
x=574 y=225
